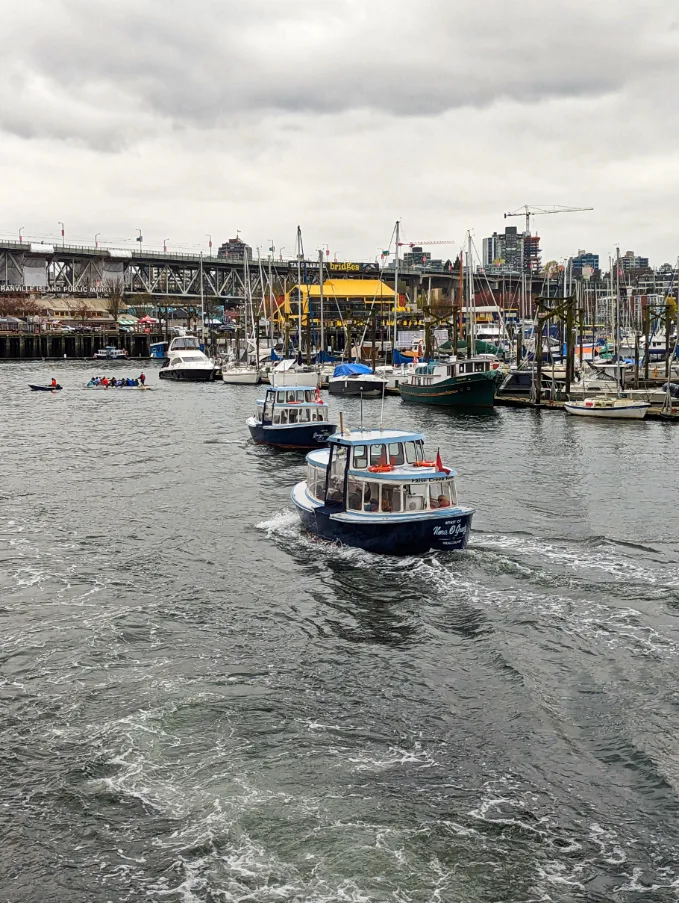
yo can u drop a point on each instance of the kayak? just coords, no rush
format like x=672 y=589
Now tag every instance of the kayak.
x=44 y=388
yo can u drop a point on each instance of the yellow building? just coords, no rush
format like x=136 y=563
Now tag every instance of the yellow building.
x=351 y=297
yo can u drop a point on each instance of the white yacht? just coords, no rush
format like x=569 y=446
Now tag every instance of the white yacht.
x=185 y=361
x=240 y=375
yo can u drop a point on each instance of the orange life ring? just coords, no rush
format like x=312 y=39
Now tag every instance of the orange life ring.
x=293 y=402
x=381 y=468
x=424 y=464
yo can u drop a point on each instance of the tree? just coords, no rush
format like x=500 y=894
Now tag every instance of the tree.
x=114 y=294
x=18 y=305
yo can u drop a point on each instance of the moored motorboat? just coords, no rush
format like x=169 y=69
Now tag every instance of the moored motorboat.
x=186 y=362
x=291 y=417
x=455 y=383
x=608 y=408
x=356 y=380
x=374 y=489
x=110 y=353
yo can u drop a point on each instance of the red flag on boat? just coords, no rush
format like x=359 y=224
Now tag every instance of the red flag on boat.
x=439 y=463
x=317 y=397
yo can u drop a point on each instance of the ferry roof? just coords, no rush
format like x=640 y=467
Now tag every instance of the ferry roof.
x=291 y=389
x=374 y=437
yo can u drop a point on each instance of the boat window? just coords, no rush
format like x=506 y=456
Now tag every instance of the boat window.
x=371 y=497
x=177 y=361
x=276 y=416
x=378 y=454
x=292 y=416
x=414 y=498
x=290 y=396
x=355 y=497
x=281 y=397
x=338 y=465
x=304 y=415
x=391 y=498
x=478 y=367
x=284 y=415
x=396 y=453
x=300 y=395
x=411 y=455
x=360 y=457
x=439 y=496
x=309 y=395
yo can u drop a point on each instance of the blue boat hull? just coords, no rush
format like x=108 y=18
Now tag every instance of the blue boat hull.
x=413 y=537
x=303 y=435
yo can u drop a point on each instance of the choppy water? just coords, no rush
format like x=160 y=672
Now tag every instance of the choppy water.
x=199 y=703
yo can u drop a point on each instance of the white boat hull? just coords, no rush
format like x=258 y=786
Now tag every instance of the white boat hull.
x=634 y=411
x=240 y=377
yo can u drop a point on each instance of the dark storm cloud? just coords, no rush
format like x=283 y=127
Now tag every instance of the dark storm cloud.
x=105 y=73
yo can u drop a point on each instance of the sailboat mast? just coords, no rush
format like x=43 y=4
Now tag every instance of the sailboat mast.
x=246 y=280
x=396 y=260
x=320 y=287
x=299 y=290
x=202 y=303
x=471 y=300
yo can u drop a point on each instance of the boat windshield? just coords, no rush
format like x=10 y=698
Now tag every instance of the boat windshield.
x=185 y=342
x=393 y=453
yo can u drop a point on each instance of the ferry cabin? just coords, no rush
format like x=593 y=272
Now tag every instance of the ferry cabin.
x=291 y=406
x=395 y=492
x=427 y=374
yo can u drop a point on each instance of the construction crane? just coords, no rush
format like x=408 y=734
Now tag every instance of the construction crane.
x=529 y=211
x=412 y=244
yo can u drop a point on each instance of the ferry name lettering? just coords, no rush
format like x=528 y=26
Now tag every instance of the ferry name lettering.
x=457 y=528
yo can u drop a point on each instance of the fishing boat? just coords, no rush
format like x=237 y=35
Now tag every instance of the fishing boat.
x=45 y=388
x=376 y=490
x=356 y=380
x=291 y=417
x=110 y=353
x=454 y=383
x=185 y=361
x=620 y=408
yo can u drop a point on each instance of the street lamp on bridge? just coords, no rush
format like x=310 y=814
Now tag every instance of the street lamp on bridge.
x=209 y=243
x=165 y=241
x=280 y=253
x=62 y=233
x=20 y=236
x=96 y=242
x=140 y=239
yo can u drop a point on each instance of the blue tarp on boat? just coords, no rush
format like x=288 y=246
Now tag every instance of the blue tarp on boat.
x=401 y=358
x=351 y=370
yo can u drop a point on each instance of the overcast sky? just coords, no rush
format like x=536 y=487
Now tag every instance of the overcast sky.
x=184 y=118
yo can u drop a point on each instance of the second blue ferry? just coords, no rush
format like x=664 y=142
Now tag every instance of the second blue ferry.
x=291 y=417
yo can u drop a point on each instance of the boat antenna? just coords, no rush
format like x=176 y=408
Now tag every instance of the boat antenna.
x=361 y=410
x=384 y=385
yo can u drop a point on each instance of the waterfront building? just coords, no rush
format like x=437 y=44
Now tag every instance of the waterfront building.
x=352 y=298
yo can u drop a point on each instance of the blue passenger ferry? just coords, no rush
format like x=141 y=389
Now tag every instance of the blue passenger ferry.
x=376 y=490
x=291 y=417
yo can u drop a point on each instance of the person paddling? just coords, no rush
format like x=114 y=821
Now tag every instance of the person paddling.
x=54 y=383
x=142 y=378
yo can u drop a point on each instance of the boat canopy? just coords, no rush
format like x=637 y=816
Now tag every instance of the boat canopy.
x=351 y=370
x=374 y=437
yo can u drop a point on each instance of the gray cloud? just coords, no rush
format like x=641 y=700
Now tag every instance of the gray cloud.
x=192 y=117
x=200 y=64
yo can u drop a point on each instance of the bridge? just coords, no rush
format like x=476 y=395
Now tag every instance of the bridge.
x=80 y=270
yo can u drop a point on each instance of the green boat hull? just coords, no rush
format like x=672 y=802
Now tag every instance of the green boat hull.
x=471 y=390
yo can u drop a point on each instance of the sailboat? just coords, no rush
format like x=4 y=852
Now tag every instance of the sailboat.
x=242 y=373
x=619 y=407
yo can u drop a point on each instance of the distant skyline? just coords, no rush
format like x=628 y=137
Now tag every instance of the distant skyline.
x=187 y=119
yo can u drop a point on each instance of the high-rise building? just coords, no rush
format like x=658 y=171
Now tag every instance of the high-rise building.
x=585 y=259
x=235 y=249
x=511 y=251
x=631 y=261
